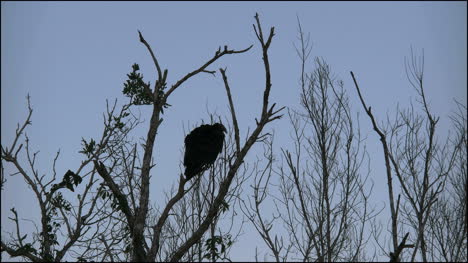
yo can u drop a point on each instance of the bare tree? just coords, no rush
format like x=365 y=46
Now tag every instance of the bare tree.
x=323 y=201
x=397 y=248
x=448 y=221
x=252 y=207
x=420 y=163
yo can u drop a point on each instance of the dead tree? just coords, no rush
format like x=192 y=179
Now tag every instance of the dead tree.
x=448 y=221
x=322 y=201
x=418 y=161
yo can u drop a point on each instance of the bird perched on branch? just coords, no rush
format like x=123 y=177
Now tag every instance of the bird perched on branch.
x=202 y=146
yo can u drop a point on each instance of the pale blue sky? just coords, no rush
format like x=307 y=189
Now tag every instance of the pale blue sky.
x=70 y=57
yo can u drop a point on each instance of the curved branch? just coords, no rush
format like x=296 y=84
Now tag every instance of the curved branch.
x=142 y=40
x=217 y=55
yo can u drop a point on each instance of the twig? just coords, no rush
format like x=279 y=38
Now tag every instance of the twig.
x=217 y=55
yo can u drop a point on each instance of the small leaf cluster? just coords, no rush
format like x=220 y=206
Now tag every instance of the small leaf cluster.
x=60 y=202
x=212 y=244
x=160 y=96
x=106 y=194
x=88 y=148
x=136 y=89
x=118 y=121
x=50 y=233
x=224 y=206
x=70 y=179
x=57 y=202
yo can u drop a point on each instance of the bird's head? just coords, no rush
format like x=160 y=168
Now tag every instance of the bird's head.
x=220 y=127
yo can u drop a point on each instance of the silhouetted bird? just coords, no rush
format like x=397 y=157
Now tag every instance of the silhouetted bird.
x=202 y=146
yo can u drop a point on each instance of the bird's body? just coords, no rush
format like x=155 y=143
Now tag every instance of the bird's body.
x=202 y=146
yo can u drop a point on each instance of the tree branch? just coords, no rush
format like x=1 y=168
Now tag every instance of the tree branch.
x=20 y=252
x=162 y=219
x=387 y=157
x=395 y=256
x=233 y=111
x=102 y=171
x=217 y=55
x=142 y=40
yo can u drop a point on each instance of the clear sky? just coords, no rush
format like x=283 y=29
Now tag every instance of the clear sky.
x=72 y=56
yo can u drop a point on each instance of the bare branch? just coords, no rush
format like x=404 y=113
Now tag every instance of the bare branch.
x=387 y=165
x=232 y=109
x=19 y=131
x=217 y=55
x=142 y=40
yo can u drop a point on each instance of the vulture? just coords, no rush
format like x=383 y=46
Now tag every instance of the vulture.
x=202 y=146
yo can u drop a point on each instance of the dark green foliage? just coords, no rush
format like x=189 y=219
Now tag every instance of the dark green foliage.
x=224 y=206
x=216 y=247
x=140 y=91
x=88 y=148
x=105 y=193
x=69 y=179
x=137 y=89
x=58 y=201
x=50 y=233
x=118 y=121
x=48 y=236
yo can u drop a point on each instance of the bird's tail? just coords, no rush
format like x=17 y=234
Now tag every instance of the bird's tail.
x=189 y=172
x=192 y=171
